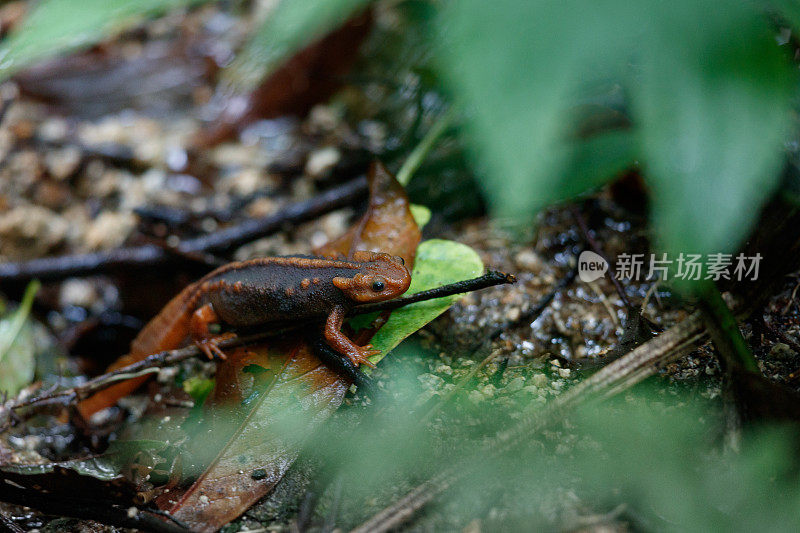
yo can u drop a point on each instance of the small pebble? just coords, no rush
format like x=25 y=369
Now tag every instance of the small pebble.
x=540 y=380
x=321 y=161
x=782 y=352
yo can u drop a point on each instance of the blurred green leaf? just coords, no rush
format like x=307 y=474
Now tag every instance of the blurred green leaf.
x=58 y=26
x=714 y=108
x=95 y=467
x=707 y=82
x=198 y=388
x=789 y=9
x=591 y=163
x=438 y=263
x=293 y=25
x=515 y=83
x=17 y=347
x=421 y=214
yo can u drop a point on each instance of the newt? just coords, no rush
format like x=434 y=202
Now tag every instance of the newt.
x=260 y=292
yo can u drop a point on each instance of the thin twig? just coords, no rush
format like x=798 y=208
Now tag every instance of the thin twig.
x=55 y=268
x=490 y=279
x=8 y=524
x=783 y=337
x=533 y=313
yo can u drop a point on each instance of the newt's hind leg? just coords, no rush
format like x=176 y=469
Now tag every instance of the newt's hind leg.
x=202 y=336
x=339 y=341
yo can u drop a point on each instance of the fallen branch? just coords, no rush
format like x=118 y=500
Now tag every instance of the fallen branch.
x=55 y=268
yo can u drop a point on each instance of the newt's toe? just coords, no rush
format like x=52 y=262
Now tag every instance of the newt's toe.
x=210 y=346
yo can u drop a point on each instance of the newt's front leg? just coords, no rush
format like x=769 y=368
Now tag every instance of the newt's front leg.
x=202 y=336
x=339 y=341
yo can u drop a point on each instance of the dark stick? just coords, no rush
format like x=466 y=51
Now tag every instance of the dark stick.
x=490 y=279
x=89 y=510
x=8 y=524
x=593 y=244
x=55 y=268
x=533 y=313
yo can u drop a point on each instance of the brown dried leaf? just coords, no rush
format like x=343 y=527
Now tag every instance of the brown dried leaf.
x=293 y=392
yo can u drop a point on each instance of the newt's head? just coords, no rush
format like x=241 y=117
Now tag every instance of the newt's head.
x=381 y=277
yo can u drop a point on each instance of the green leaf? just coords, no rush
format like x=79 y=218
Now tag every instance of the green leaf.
x=514 y=66
x=293 y=25
x=789 y=9
x=591 y=163
x=714 y=107
x=59 y=26
x=438 y=262
x=710 y=97
x=421 y=214
x=198 y=388
x=17 y=347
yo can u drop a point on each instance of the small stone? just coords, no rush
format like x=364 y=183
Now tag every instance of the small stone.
x=564 y=372
x=54 y=130
x=62 y=164
x=78 y=292
x=323 y=118
x=30 y=231
x=515 y=384
x=540 y=380
x=430 y=381
x=781 y=351
x=475 y=396
x=526 y=346
x=529 y=260
x=321 y=161
x=444 y=369
x=109 y=230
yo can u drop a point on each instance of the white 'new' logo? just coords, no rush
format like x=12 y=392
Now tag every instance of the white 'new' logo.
x=591 y=266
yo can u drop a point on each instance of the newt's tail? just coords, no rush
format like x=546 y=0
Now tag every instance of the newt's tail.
x=167 y=331
x=110 y=396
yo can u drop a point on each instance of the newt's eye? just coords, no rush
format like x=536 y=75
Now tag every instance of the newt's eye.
x=378 y=286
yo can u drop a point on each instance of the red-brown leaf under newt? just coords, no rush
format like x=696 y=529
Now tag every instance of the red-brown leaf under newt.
x=265 y=291
x=263 y=447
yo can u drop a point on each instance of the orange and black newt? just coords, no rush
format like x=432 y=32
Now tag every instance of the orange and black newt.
x=261 y=292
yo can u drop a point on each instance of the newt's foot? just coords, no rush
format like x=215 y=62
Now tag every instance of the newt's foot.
x=361 y=354
x=210 y=346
